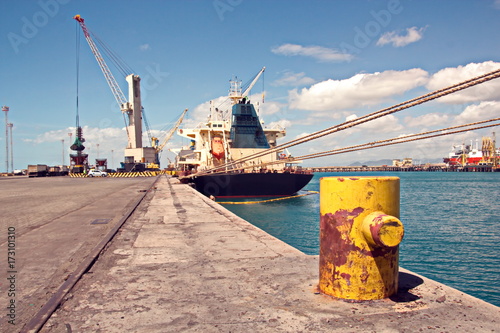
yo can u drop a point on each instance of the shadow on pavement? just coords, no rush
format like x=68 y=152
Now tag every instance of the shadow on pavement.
x=407 y=282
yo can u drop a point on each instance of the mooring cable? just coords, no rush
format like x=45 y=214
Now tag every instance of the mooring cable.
x=358 y=121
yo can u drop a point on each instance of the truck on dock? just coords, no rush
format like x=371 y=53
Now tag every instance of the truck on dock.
x=63 y=170
x=20 y=172
x=53 y=171
x=37 y=170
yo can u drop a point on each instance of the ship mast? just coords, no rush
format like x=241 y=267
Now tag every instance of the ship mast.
x=235 y=90
x=235 y=93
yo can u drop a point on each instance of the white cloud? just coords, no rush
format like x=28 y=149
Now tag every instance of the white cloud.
x=201 y=112
x=107 y=142
x=91 y=134
x=99 y=142
x=270 y=108
x=359 y=90
x=378 y=129
x=427 y=120
x=144 y=47
x=273 y=113
x=382 y=125
x=449 y=76
x=107 y=138
x=320 y=53
x=301 y=135
x=478 y=112
x=293 y=79
x=351 y=117
x=283 y=123
x=413 y=35
x=313 y=118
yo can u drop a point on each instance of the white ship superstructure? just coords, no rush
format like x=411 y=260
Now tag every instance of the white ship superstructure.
x=229 y=135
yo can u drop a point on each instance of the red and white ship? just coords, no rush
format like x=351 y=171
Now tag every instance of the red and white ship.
x=462 y=155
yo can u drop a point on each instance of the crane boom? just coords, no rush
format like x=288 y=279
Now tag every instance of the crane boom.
x=154 y=141
x=172 y=131
x=254 y=81
x=115 y=88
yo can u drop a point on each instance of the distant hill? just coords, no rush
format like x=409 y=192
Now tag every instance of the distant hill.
x=372 y=163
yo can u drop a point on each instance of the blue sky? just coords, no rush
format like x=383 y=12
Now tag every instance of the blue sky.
x=325 y=61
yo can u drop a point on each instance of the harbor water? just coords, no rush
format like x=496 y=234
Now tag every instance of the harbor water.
x=450 y=220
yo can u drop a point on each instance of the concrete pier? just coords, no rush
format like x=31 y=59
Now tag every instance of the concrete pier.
x=183 y=263
x=56 y=223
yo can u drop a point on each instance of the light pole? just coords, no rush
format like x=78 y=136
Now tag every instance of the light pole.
x=10 y=125
x=62 y=141
x=6 y=110
x=88 y=153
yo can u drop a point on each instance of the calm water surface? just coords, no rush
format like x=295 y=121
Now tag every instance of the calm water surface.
x=451 y=221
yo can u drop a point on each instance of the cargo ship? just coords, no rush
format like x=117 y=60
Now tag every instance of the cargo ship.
x=232 y=155
x=462 y=155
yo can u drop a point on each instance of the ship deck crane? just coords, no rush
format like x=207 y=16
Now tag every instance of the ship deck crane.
x=235 y=93
x=135 y=154
x=256 y=78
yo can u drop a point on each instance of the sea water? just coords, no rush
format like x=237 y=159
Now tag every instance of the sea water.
x=451 y=221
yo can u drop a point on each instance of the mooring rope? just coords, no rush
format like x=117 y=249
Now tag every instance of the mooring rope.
x=264 y=201
x=375 y=144
x=358 y=121
x=401 y=139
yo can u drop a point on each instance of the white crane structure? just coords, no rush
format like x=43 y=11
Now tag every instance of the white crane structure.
x=159 y=146
x=235 y=93
x=135 y=153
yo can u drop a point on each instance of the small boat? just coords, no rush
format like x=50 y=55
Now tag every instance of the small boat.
x=232 y=155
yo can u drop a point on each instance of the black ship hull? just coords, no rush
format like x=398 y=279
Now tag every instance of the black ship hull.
x=251 y=184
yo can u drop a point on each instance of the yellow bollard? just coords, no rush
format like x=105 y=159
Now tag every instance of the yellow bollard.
x=359 y=237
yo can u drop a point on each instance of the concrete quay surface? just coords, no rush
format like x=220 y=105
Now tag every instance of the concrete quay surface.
x=56 y=222
x=183 y=263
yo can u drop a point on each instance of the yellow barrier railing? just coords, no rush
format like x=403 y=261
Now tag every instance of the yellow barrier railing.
x=125 y=174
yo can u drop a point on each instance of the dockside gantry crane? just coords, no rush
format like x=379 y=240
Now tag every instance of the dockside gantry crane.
x=136 y=156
